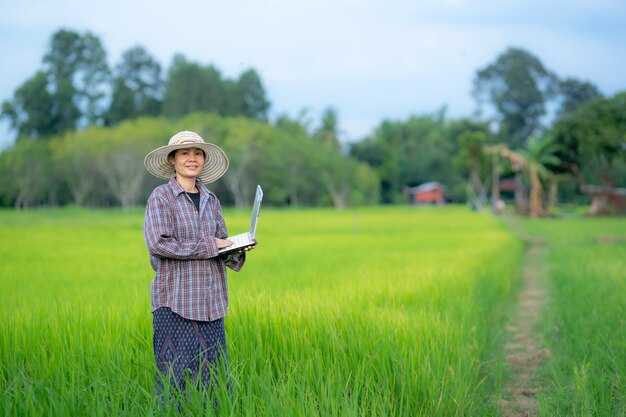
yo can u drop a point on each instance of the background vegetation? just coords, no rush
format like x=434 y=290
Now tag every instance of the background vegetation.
x=83 y=127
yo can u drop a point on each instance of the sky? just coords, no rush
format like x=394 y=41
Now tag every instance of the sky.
x=369 y=60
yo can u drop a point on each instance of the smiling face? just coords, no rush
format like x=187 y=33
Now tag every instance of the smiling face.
x=188 y=163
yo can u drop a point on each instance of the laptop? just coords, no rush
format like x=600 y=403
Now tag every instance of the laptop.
x=242 y=240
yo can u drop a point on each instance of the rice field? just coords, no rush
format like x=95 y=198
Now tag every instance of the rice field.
x=331 y=316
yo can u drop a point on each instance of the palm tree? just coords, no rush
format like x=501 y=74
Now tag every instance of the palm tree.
x=539 y=156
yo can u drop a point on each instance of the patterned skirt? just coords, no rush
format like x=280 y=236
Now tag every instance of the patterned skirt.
x=187 y=351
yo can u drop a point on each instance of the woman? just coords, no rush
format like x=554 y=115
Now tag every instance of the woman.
x=183 y=230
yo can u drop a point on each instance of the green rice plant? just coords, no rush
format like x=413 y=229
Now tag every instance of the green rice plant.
x=584 y=323
x=383 y=311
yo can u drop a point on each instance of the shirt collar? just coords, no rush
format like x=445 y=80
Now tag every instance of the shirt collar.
x=178 y=189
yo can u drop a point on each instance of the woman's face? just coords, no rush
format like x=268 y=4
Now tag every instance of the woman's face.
x=188 y=163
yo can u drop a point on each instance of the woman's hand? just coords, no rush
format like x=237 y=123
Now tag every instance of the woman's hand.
x=249 y=248
x=222 y=243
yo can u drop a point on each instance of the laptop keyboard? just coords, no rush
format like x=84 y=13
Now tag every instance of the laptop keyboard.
x=240 y=240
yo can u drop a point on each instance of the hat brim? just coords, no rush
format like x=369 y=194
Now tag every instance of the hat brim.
x=215 y=162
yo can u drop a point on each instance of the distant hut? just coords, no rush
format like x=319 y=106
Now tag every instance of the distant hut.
x=427 y=193
x=606 y=200
x=507 y=188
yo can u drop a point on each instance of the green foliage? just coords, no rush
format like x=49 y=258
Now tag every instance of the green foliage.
x=594 y=138
x=137 y=88
x=103 y=166
x=471 y=154
x=75 y=90
x=410 y=153
x=540 y=160
x=122 y=104
x=78 y=72
x=255 y=104
x=576 y=93
x=472 y=159
x=69 y=91
x=31 y=177
x=191 y=87
x=30 y=112
x=541 y=156
x=328 y=132
x=518 y=86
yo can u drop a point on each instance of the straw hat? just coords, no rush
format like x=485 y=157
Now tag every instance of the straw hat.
x=215 y=161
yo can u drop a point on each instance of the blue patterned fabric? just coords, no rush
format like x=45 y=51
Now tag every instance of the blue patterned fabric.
x=187 y=350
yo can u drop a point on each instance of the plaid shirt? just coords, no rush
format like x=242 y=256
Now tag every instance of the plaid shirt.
x=190 y=276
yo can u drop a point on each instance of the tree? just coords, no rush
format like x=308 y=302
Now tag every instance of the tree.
x=77 y=78
x=290 y=164
x=32 y=177
x=518 y=162
x=472 y=159
x=123 y=171
x=92 y=78
x=518 y=86
x=378 y=157
x=299 y=125
x=122 y=105
x=137 y=89
x=255 y=103
x=540 y=157
x=232 y=102
x=537 y=161
x=575 y=93
x=75 y=154
x=61 y=63
x=336 y=174
x=328 y=132
x=410 y=153
x=593 y=142
x=30 y=112
x=240 y=142
x=192 y=88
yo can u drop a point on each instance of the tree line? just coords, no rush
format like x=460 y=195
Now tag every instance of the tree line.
x=103 y=167
x=76 y=88
x=83 y=129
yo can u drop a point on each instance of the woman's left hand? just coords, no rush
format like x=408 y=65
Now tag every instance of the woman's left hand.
x=249 y=248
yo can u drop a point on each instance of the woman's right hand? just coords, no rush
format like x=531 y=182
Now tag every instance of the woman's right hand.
x=223 y=243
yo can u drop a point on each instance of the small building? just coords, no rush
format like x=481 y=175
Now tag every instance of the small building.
x=507 y=185
x=428 y=193
x=606 y=200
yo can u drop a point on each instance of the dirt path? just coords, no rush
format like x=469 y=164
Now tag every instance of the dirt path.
x=524 y=354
